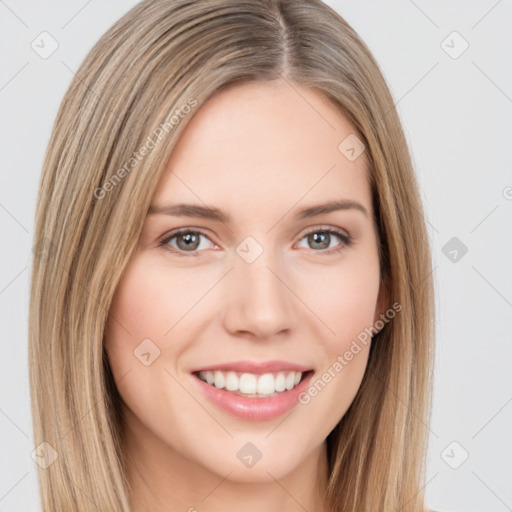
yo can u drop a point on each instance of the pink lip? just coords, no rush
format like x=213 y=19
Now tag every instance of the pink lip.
x=255 y=367
x=254 y=409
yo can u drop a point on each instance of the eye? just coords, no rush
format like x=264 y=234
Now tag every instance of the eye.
x=186 y=241
x=189 y=241
x=320 y=238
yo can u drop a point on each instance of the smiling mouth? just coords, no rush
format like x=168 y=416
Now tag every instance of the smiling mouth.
x=251 y=385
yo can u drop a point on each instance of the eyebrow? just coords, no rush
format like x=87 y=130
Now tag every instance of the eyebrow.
x=209 y=212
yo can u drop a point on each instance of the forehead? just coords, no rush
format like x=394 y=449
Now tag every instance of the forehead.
x=260 y=145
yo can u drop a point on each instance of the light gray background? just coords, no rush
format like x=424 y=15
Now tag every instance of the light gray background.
x=457 y=116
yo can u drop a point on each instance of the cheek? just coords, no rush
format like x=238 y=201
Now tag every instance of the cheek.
x=137 y=314
x=344 y=297
x=152 y=320
x=148 y=302
x=346 y=305
x=347 y=309
x=141 y=357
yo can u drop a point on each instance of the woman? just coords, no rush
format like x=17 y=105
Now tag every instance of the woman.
x=237 y=307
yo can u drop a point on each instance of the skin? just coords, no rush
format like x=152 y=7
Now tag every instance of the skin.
x=260 y=152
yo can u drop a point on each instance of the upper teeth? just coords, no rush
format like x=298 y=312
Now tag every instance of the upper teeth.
x=249 y=383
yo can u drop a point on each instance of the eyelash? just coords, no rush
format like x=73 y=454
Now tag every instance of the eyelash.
x=346 y=239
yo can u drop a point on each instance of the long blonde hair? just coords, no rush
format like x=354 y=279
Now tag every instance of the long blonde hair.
x=147 y=75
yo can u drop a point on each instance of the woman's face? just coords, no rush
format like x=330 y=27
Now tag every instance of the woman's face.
x=255 y=300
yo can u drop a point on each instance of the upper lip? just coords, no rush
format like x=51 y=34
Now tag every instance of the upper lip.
x=255 y=367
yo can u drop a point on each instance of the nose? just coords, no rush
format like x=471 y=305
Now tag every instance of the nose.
x=258 y=298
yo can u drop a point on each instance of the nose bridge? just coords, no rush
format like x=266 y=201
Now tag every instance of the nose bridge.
x=259 y=300
x=255 y=270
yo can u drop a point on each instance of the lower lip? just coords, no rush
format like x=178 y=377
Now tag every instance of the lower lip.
x=254 y=409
